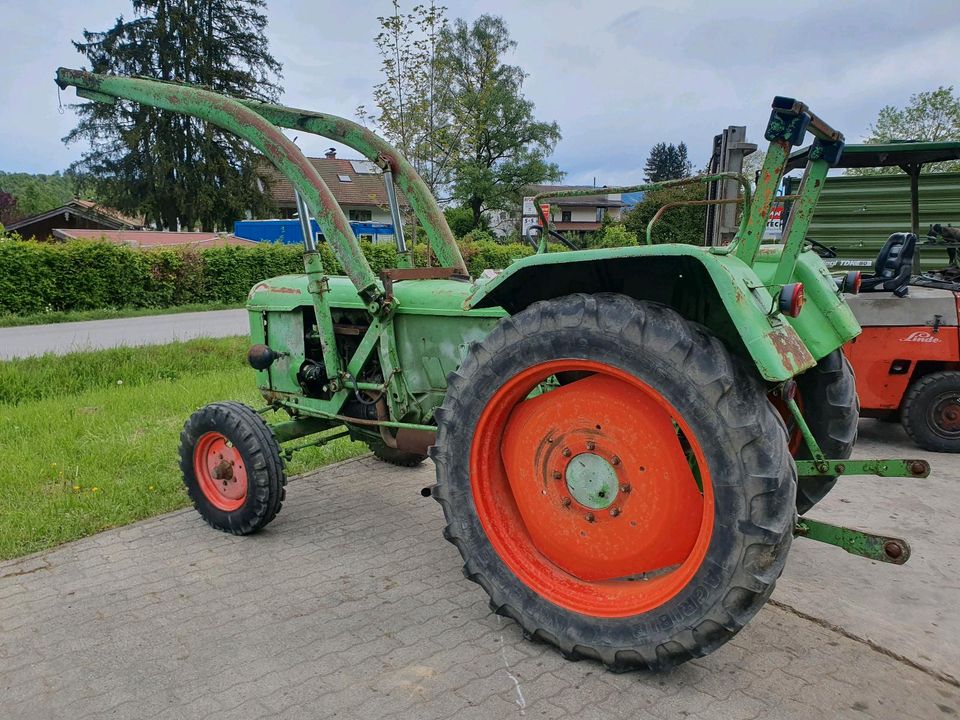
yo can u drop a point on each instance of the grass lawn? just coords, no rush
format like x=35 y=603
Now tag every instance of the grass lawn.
x=103 y=451
x=60 y=316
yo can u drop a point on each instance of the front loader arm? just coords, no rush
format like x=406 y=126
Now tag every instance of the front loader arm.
x=378 y=150
x=230 y=115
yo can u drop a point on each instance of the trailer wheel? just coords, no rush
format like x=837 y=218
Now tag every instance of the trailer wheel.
x=396 y=457
x=639 y=515
x=931 y=411
x=827 y=394
x=232 y=467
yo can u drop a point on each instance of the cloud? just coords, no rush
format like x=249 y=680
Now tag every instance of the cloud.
x=617 y=76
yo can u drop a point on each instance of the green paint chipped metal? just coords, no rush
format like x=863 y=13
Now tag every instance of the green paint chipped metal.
x=882 y=548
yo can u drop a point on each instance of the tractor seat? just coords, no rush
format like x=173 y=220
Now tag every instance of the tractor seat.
x=894 y=265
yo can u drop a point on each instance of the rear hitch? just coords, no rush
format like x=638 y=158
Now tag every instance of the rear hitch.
x=856 y=542
x=880 y=468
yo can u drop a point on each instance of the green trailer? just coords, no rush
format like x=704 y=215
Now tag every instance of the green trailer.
x=857 y=213
x=623 y=438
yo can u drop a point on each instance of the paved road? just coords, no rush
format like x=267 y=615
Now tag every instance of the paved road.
x=62 y=338
x=351 y=606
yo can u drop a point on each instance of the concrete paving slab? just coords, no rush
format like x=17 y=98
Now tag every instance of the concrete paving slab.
x=350 y=605
x=914 y=609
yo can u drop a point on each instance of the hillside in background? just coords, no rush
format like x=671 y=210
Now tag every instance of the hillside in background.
x=33 y=194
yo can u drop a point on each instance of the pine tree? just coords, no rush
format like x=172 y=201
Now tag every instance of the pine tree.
x=667 y=162
x=177 y=171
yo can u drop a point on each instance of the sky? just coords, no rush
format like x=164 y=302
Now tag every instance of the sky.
x=618 y=77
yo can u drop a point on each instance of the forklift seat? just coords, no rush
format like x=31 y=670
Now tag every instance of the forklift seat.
x=894 y=265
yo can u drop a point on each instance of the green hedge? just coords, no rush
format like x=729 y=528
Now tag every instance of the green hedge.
x=85 y=275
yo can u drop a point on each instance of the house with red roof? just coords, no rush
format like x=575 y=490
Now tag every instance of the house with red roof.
x=357 y=185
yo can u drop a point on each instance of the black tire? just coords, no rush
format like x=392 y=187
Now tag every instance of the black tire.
x=742 y=437
x=260 y=455
x=931 y=411
x=832 y=411
x=396 y=457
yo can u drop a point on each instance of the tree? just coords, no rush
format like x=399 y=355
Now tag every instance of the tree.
x=177 y=171
x=753 y=163
x=8 y=208
x=35 y=194
x=667 y=162
x=501 y=147
x=461 y=221
x=932 y=115
x=413 y=98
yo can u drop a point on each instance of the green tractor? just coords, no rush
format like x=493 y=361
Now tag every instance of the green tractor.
x=623 y=438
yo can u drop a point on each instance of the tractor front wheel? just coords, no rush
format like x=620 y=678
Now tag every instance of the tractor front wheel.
x=640 y=511
x=232 y=467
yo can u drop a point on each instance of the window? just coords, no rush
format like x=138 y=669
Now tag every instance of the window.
x=600 y=213
x=565 y=216
x=361 y=215
x=345 y=178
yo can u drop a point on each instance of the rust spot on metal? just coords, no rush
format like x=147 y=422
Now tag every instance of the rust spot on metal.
x=893 y=549
x=791 y=349
x=919 y=467
x=415 y=441
x=223 y=471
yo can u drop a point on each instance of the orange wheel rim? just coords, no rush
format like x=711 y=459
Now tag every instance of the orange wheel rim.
x=595 y=494
x=220 y=471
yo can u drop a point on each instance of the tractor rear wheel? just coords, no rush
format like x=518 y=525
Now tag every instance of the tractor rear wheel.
x=827 y=395
x=638 y=513
x=931 y=411
x=232 y=467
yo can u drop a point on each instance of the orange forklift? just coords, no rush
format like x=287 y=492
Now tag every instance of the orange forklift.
x=907 y=360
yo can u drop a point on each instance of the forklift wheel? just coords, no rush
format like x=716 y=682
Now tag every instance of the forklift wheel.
x=639 y=515
x=232 y=467
x=931 y=412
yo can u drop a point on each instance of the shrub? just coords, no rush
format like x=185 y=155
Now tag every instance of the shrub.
x=478 y=236
x=87 y=275
x=613 y=235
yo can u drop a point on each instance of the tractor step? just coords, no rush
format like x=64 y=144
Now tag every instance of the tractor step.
x=880 y=468
x=856 y=542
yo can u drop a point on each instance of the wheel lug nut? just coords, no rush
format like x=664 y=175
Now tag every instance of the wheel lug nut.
x=614 y=512
x=589 y=517
x=615 y=460
x=565 y=502
x=625 y=488
x=566 y=452
x=591 y=445
x=557 y=475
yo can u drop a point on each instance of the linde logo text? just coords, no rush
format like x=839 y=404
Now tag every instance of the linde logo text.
x=920 y=336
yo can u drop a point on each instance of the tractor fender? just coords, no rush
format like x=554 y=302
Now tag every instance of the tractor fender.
x=708 y=286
